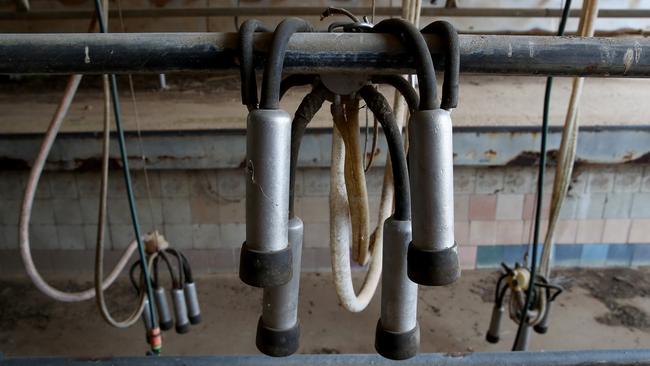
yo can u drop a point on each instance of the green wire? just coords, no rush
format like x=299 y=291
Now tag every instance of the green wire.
x=128 y=183
x=540 y=188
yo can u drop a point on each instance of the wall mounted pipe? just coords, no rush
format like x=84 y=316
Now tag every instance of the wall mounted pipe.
x=592 y=357
x=244 y=11
x=319 y=53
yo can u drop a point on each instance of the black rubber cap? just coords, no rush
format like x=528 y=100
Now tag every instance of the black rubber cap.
x=540 y=329
x=277 y=342
x=166 y=325
x=265 y=269
x=492 y=338
x=195 y=319
x=433 y=268
x=397 y=346
x=182 y=328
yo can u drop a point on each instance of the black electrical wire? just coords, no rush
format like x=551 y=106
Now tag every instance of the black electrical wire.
x=134 y=266
x=247 y=61
x=273 y=71
x=169 y=268
x=127 y=180
x=179 y=262
x=308 y=107
x=186 y=268
x=408 y=33
x=540 y=189
x=449 y=37
x=402 y=86
x=381 y=109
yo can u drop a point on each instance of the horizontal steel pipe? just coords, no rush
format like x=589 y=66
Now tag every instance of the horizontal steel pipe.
x=317 y=53
x=314 y=11
x=630 y=357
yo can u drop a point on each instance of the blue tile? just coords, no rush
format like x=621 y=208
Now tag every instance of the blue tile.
x=489 y=256
x=568 y=255
x=594 y=255
x=641 y=256
x=514 y=254
x=620 y=255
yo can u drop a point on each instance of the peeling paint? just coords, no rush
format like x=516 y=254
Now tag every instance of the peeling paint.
x=627 y=60
x=87 y=55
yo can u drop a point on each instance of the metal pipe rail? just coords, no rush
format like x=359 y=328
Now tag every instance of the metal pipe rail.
x=637 y=357
x=315 y=11
x=318 y=53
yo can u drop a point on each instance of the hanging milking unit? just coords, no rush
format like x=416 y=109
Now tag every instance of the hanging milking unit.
x=271 y=255
x=185 y=309
x=512 y=285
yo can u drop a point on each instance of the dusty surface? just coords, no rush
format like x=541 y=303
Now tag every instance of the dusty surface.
x=452 y=319
x=214 y=102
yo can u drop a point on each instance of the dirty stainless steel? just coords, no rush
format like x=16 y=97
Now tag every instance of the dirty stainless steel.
x=399 y=296
x=318 y=53
x=162 y=306
x=280 y=303
x=180 y=310
x=192 y=301
x=268 y=142
x=494 y=331
x=431 y=162
x=618 y=357
x=523 y=339
x=344 y=84
x=246 y=11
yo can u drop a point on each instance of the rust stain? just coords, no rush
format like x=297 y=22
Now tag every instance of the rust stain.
x=490 y=154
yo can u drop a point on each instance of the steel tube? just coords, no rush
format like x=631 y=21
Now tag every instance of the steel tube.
x=315 y=11
x=318 y=53
x=629 y=357
x=280 y=303
x=399 y=296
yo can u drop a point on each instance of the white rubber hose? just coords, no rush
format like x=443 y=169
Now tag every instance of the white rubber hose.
x=568 y=144
x=28 y=202
x=341 y=235
x=347 y=125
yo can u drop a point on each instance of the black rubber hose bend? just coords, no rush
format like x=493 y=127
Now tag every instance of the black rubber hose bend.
x=246 y=61
x=309 y=106
x=414 y=40
x=273 y=71
x=169 y=268
x=381 y=109
x=295 y=80
x=402 y=86
x=449 y=38
x=187 y=270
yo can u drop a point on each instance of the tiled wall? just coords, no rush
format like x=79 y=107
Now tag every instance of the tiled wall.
x=605 y=220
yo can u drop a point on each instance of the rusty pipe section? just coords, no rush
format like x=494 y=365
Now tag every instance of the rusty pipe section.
x=318 y=53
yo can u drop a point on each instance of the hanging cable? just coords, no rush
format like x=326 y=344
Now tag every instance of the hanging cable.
x=523 y=317
x=568 y=143
x=28 y=201
x=155 y=345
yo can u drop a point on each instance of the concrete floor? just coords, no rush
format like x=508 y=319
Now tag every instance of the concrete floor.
x=452 y=319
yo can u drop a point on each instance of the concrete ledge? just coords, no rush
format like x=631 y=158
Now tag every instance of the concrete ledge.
x=219 y=149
